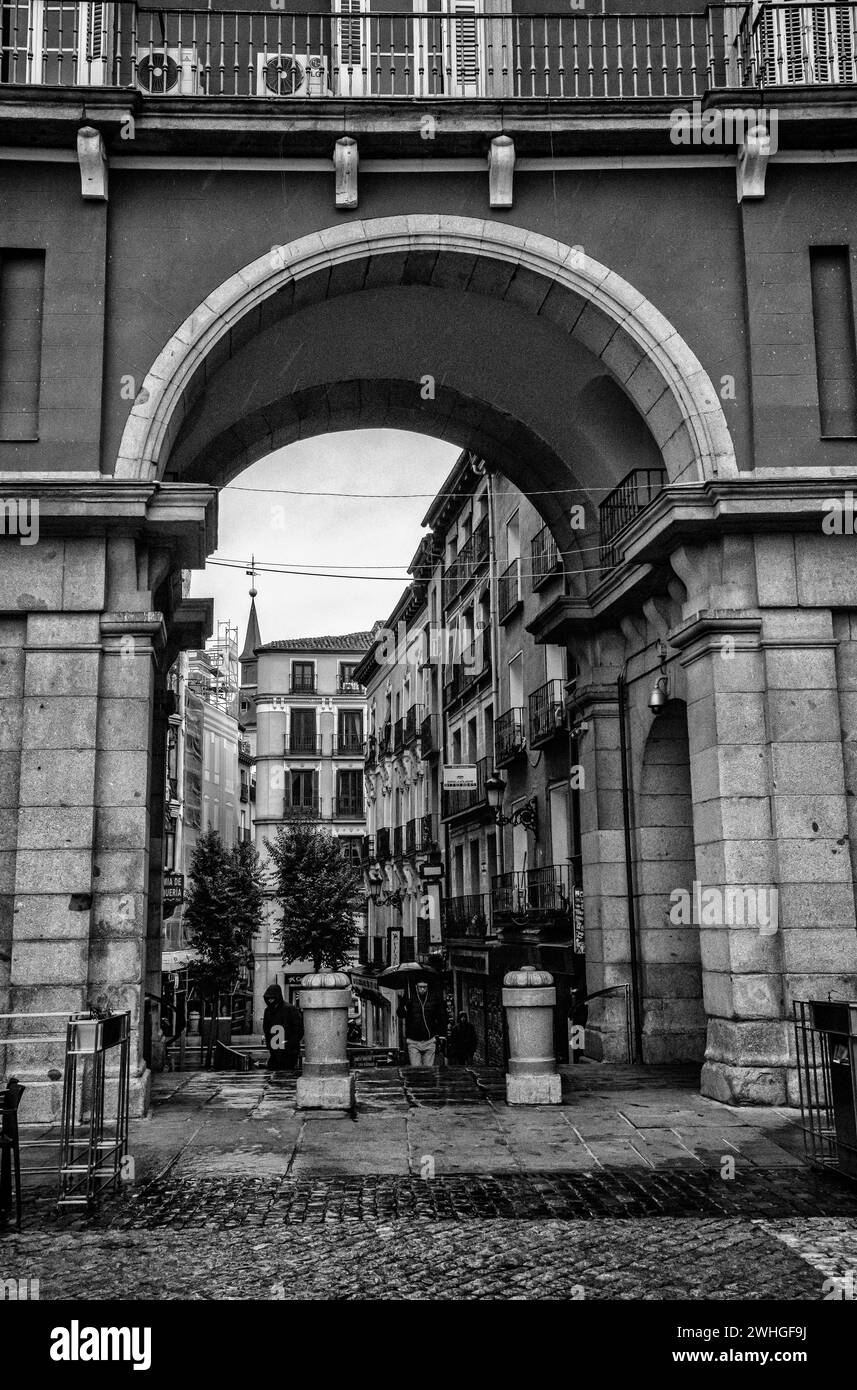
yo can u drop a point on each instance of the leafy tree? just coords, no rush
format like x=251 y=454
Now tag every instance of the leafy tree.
x=316 y=887
x=223 y=911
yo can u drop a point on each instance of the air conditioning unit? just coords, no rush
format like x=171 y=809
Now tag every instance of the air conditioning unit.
x=170 y=71
x=799 y=44
x=291 y=75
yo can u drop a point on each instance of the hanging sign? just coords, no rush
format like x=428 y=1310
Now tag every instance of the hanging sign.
x=461 y=778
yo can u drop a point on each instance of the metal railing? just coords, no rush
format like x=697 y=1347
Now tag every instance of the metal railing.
x=420 y=835
x=429 y=742
x=470 y=558
x=508 y=590
x=398 y=841
x=398 y=735
x=382 y=841
x=413 y=721
x=348 y=808
x=547 y=712
x=349 y=745
x=509 y=736
x=454 y=803
x=307 y=808
x=346 y=686
x=302 y=743
x=270 y=55
x=534 y=894
x=636 y=490
x=544 y=556
x=466 y=916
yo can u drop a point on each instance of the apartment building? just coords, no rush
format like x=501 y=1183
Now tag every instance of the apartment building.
x=310 y=715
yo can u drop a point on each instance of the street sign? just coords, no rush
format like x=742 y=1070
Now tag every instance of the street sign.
x=173 y=888
x=460 y=778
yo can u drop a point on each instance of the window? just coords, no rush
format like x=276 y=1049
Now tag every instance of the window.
x=347 y=683
x=302 y=737
x=516 y=681
x=835 y=348
x=302 y=790
x=303 y=677
x=22 y=283
x=349 y=793
x=350 y=733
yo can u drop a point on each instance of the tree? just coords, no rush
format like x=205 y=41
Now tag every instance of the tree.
x=316 y=887
x=223 y=911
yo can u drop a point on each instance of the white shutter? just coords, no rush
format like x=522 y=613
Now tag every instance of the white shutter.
x=465 y=60
x=352 y=58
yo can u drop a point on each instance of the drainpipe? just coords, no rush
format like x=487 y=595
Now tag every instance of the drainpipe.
x=621 y=692
x=495 y=642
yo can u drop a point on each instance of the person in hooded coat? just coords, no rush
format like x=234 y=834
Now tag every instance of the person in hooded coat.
x=283 y=1028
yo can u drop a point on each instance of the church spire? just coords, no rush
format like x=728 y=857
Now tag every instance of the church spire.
x=254 y=637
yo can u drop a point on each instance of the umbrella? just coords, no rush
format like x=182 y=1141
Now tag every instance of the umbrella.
x=411 y=973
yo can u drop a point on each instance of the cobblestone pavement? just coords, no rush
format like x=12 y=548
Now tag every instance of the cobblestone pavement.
x=434 y=1189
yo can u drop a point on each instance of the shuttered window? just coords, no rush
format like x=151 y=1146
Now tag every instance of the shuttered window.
x=835 y=348
x=22 y=286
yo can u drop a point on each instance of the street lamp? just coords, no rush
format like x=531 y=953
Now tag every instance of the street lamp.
x=526 y=815
x=381 y=898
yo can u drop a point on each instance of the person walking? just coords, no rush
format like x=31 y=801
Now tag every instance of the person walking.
x=283 y=1027
x=462 y=1042
x=425 y=1022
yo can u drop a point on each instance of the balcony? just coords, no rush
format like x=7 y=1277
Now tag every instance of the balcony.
x=466 y=916
x=797 y=45
x=348 y=808
x=370 y=750
x=385 y=56
x=398 y=841
x=348 y=687
x=303 y=685
x=413 y=720
x=398 y=735
x=544 y=556
x=456 y=803
x=308 y=808
x=244 y=793
x=304 y=745
x=509 y=591
x=469 y=560
x=509 y=736
x=533 y=897
x=619 y=508
x=420 y=835
x=429 y=741
x=349 y=746
x=382 y=840
x=468 y=666
x=547 y=713
x=367 y=849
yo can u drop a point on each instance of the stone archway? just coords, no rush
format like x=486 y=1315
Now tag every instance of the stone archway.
x=556 y=282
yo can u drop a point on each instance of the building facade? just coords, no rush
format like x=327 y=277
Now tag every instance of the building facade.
x=639 y=309
x=310 y=717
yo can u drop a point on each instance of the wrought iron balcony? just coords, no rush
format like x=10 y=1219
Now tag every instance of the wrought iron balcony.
x=509 y=736
x=509 y=591
x=370 y=750
x=466 y=916
x=302 y=685
x=367 y=849
x=305 y=745
x=349 y=687
x=420 y=835
x=533 y=896
x=470 y=664
x=349 y=745
x=348 y=808
x=467 y=563
x=398 y=735
x=455 y=803
x=244 y=792
x=544 y=556
x=382 y=841
x=290 y=55
x=307 y=808
x=619 y=508
x=413 y=720
x=547 y=712
x=429 y=741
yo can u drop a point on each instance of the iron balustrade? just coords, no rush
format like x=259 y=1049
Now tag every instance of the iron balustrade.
x=398 y=735
x=420 y=835
x=509 y=590
x=544 y=556
x=382 y=840
x=349 y=687
x=349 y=745
x=302 y=743
x=619 y=508
x=454 y=803
x=413 y=720
x=307 y=808
x=398 y=841
x=466 y=916
x=467 y=563
x=304 y=685
x=547 y=712
x=428 y=735
x=534 y=894
x=509 y=736
x=348 y=808
x=294 y=55
x=786 y=45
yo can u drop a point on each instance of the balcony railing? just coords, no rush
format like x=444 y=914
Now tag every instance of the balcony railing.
x=294 y=55
x=466 y=916
x=472 y=555
x=367 y=849
x=547 y=712
x=398 y=841
x=508 y=591
x=348 y=808
x=454 y=803
x=533 y=895
x=349 y=687
x=303 y=685
x=370 y=750
x=398 y=735
x=349 y=745
x=544 y=555
x=308 y=808
x=421 y=835
x=474 y=661
x=429 y=741
x=308 y=745
x=640 y=487
x=382 y=842
x=413 y=720
x=509 y=736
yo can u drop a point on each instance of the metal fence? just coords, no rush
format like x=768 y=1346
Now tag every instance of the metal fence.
x=826 y=1046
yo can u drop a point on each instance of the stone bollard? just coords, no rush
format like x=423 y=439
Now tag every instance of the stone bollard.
x=325 y=1082
x=529 y=998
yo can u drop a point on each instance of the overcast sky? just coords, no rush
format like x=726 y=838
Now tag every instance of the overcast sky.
x=350 y=532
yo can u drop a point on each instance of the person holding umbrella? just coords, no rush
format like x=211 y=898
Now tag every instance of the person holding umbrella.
x=425 y=1022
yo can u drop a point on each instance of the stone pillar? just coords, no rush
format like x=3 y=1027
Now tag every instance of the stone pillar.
x=529 y=998
x=325 y=1082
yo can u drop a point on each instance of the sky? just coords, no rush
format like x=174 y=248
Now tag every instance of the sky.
x=348 y=532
